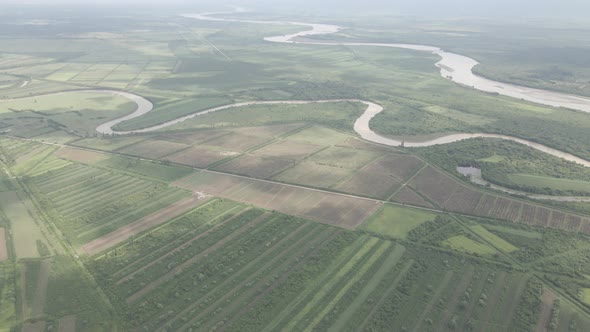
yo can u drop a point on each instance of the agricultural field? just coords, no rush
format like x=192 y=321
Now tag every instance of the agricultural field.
x=397 y=222
x=279 y=216
x=547 y=182
x=333 y=209
x=26 y=233
x=88 y=202
x=303 y=271
x=82 y=112
x=452 y=195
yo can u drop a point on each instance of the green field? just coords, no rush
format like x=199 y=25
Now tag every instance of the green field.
x=89 y=202
x=463 y=243
x=529 y=180
x=279 y=217
x=397 y=222
x=493 y=239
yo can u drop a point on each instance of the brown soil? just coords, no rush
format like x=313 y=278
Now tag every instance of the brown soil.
x=288 y=149
x=329 y=208
x=369 y=184
x=199 y=156
x=142 y=225
x=408 y=196
x=152 y=149
x=255 y=166
x=237 y=142
x=81 y=156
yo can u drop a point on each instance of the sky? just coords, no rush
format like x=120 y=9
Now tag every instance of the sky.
x=511 y=8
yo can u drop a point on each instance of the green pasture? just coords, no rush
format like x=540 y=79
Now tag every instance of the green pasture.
x=397 y=222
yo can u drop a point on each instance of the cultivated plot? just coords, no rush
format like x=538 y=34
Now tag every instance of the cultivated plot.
x=333 y=209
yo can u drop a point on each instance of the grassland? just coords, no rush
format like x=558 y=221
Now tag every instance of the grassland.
x=25 y=230
x=465 y=244
x=397 y=222
x=528 y=180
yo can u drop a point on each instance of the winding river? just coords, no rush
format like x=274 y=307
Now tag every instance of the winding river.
x=474 y=174
x=453 y=66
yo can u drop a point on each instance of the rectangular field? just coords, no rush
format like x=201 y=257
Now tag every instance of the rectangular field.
x=92 y=202
x=200 y=156
x=313 y=175
x=397 y=222
x=365 y=183
x=333 y=209
x=398 y=165
x=81 y=156
x=152 y=148
x=25 y=232
x=408 y=196
x=120 y=235
x=255 y=166
x=287 y=149
x=452 y=195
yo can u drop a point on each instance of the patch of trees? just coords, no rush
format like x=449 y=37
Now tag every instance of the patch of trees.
x=527 y=311
x=420 y=232
x=517 y=158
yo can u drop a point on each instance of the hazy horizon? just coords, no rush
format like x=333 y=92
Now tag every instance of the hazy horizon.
x=507 y=8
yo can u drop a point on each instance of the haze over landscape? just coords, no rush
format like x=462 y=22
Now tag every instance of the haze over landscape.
x=294 y=165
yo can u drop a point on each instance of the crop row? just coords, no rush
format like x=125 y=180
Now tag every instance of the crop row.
x=451 y=195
